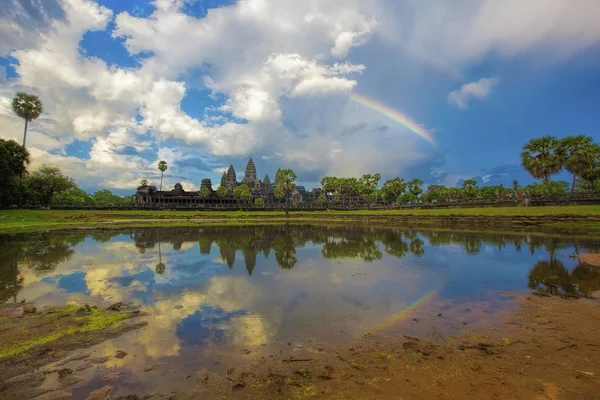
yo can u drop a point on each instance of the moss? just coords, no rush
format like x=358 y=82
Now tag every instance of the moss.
x=59 y=323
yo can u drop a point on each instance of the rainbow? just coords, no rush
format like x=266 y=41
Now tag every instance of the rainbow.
x=393 y=114
x=408 y=311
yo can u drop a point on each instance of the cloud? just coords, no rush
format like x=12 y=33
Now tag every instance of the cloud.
x=448 y=35
x=479 y=90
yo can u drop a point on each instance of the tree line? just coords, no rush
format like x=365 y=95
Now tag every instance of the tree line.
x=542 y=157
x=44 y=186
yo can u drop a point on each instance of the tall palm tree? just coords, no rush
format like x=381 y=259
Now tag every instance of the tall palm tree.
x=162 y=167
x=574 y=161
x=469 y=186
x=516 y=185
x=541 y=157
x=590 y=164
x=285 y=182
x=28 y=107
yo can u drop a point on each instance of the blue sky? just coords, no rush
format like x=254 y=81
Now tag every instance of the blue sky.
x=204 y=83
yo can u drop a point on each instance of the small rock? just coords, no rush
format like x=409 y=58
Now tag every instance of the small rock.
x=439 y=315
x=56 y=395
x=83 y=312
x=151 y=367
x=300 y=346
x=83 y=366
x=120 y=354
x=29 y=308
x=115 y=307
x=99 y=360
x=73 y=357
x=111 y=377
x=178 y=307
x=100 y=394
x=247 y=351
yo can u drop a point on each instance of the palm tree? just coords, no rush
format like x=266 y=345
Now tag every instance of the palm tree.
x=162 y=167
x=574 y=161
x=28 y=107
x=469 y=185
x=414 y=186
x=541 y=158
x=590 y=160
x=285 y=182
x=516 y=185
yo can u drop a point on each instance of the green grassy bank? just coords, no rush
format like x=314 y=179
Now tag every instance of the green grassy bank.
x=560 y=217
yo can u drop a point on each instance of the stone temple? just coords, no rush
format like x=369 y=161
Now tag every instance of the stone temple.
x=149 y=196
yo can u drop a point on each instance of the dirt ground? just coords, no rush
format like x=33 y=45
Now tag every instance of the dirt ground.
x=32 y=338
x=547 y=350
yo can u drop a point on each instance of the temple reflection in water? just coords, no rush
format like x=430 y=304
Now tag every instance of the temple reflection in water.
x=42 y=252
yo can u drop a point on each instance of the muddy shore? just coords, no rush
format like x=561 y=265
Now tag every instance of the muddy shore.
x=547 y=348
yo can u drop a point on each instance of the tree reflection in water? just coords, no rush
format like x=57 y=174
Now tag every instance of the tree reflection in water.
x=42 y=252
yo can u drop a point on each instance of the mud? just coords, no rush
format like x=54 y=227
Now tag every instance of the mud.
x=33 y=339
x=547 y=348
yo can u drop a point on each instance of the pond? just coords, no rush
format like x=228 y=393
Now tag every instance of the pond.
x=222 y=296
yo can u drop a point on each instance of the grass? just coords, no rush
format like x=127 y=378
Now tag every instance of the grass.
x=12 y=221
x=21 y=335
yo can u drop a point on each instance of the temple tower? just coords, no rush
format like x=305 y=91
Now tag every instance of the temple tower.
x=266 y=181
x=250 y=178
x=231 y=180
x=224 y=180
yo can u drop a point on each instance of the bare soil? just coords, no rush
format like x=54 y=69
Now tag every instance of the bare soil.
x=31 y=339
x=548 y=348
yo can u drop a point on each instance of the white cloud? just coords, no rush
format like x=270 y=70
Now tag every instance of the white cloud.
x=479 y=90
x=453 y=34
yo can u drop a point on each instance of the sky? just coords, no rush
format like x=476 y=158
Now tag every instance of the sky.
x=440 y=91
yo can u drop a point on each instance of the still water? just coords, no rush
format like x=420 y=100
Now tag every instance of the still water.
x=218 y=296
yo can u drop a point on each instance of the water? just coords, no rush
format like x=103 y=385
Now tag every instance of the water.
x=220 y=296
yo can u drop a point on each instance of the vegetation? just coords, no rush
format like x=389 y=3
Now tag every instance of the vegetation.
x=259 y=202
x=285 y=182
x=28 y=107
x=33 y=220
x=242 y=193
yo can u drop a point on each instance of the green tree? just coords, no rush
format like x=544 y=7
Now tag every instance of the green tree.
x=28 y=107
x=516 y=185
x=242 y=193
x=541 y=157
x=72 y=197
x=47 y=180
x=322 y=198
x=222 y=193
x=370 y=184
x=204 y=193
x=591 y=159
x=414 y=186
x=162 y=167
x=104 y=197
x=13 y=156
x=470 y=187
x=286 y=183
x=574 y=161
x=392 y=188
x=328 y=184
x=259 y=202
